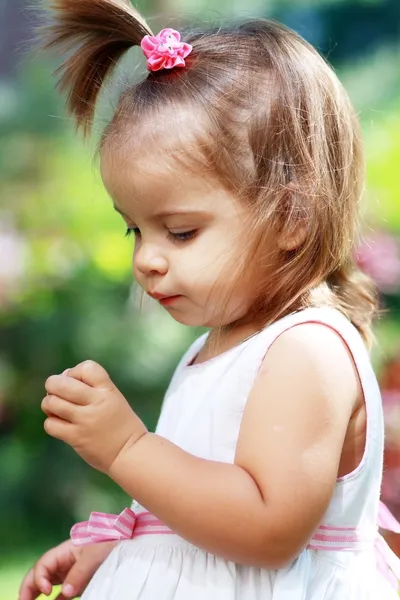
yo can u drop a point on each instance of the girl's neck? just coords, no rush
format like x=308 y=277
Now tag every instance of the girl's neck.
x=221 y=340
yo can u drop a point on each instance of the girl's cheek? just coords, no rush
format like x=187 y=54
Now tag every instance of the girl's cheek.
x=134 y=255
x=135 y=271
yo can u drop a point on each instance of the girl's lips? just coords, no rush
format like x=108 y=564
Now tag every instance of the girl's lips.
x=167 y=300
x=164 y=300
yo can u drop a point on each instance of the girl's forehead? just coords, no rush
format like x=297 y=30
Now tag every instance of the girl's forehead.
x=145 y=175
x=153 y=181
x=161 y=150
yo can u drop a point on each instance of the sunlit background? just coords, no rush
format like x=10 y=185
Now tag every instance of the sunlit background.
x=66 y=291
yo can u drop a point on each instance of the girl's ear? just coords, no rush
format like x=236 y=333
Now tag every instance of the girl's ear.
x=294 y=227
x=292 y=239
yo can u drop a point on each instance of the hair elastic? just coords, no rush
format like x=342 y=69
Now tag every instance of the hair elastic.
x=165 y=50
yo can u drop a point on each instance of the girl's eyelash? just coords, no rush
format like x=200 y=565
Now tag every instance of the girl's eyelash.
x=182 y=236
x=131 y=230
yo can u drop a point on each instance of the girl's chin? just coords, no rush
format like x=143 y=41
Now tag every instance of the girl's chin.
x=185 y=319
x=191 y=320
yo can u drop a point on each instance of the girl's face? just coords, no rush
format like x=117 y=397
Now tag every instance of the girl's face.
x=188 y=230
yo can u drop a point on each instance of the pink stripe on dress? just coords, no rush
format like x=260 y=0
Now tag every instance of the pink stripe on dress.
x=334 y=539
x=104 y=527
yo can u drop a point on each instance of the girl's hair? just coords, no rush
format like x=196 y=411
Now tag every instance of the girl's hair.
x=270 y=120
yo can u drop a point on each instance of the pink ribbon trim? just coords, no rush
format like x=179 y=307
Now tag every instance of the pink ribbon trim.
x=105 y=527
x=351 y=538
x=386 y=520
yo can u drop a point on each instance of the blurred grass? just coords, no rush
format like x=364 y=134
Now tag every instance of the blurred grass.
x=11 y=576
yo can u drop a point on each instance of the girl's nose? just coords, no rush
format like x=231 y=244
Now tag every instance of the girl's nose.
x=149 y=260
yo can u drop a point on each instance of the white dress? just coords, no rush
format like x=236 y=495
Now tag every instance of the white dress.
x=201 y=413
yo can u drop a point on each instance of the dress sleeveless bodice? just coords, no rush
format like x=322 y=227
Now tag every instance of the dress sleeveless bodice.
x=202 y=413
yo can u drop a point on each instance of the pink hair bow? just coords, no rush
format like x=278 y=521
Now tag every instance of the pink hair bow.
x=165 y=50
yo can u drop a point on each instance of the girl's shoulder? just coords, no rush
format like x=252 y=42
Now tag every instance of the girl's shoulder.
x=332 y=318
x=245 y=359
x=259 y=343
x=298 y=333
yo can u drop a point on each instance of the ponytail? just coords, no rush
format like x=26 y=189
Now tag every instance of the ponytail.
x=98 y=32
x=248 y=82
x=356 y=295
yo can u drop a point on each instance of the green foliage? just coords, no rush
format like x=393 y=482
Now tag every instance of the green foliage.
x=383 y=151
x=11 y=575
x=70 y=304
x=73 y=297
x=85 y=316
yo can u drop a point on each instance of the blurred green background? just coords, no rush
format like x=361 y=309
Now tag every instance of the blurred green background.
x=66 y=291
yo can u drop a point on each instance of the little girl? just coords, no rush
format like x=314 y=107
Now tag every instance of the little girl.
x=237 y=165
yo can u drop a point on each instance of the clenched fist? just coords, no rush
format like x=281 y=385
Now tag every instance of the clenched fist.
x=87 y=411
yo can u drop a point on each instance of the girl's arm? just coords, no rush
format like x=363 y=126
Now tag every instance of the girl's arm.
x=263 y=509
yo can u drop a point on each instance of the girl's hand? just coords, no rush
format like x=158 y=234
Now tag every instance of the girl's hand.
x=89 y=413
x=67 y=564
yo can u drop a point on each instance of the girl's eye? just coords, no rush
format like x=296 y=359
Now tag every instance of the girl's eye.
x=134 y=230
x=182 y=236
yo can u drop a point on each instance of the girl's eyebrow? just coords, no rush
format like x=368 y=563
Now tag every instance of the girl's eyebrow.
x=171 y=213
x=119 y=211
x=184 y=212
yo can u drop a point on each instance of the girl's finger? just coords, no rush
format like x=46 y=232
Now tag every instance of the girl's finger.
x=42 y=576
x=68 y=388
x=42 y=579
x=92 y=374
x=28 y=589
x=59 y=429
x=57 y=407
